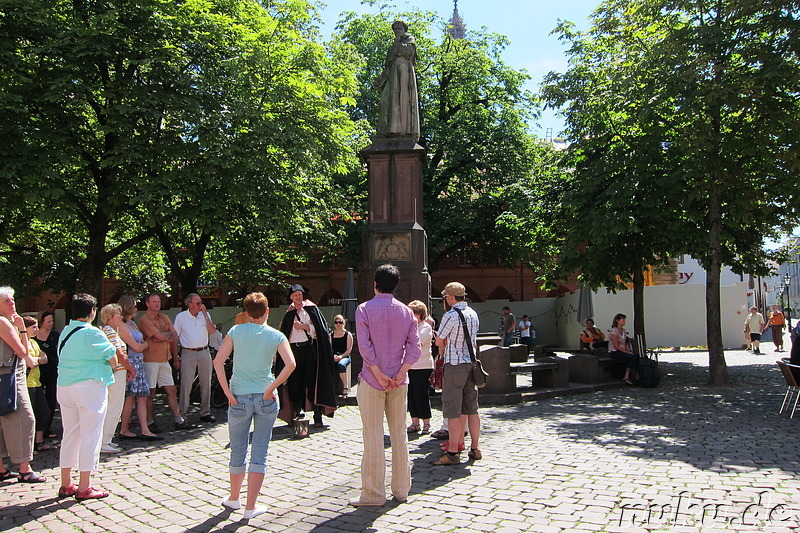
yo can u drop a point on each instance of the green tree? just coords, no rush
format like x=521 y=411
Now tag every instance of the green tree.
x=474 y=112
x=608 y=218
x=714 y=84
x=157 y=118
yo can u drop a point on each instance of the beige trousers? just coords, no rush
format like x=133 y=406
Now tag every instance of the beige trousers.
x=16 y=429
x=372 y=404
x=116 y=399
x=195 y=363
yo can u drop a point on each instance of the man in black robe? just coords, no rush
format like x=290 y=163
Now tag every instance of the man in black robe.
x=311 y=385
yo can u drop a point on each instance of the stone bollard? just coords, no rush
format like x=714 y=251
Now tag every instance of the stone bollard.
x=519 y=353
x=496 y=361
x=488 y=339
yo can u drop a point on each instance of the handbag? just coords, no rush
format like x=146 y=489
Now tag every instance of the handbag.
x=8 y=390
x=437 y=374
x=479 y=375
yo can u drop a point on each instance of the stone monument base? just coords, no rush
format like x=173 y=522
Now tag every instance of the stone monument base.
x=394 y=232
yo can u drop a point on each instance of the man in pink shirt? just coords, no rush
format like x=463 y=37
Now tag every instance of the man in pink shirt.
x=389 y=345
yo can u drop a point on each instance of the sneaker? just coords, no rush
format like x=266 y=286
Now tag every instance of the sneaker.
x=105 y=448
x=446 y=459
x=182 y=426
x=252 y=513
x=208 y=418
x=232 y=504
x=475 y=454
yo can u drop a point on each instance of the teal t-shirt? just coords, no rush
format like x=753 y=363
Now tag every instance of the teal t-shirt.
x=254 y=349
x=85 y=355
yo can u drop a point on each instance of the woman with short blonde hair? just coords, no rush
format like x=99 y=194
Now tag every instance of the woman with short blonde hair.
x=111 y=316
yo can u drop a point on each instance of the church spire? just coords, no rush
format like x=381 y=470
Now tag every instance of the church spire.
x=457 y=30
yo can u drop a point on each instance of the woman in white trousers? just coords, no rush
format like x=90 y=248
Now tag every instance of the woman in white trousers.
x=86 y=360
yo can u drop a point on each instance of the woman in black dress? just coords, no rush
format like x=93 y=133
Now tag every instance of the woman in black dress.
x=342 y=344
x=47 y=339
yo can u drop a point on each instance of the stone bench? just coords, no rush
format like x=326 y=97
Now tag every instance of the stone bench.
x=588 y=368
x=545 y=372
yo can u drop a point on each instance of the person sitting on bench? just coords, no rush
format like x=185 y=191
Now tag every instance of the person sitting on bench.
x=619 y=348
x=592 y=338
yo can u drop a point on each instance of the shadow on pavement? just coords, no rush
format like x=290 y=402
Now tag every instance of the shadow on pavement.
x=22 y=514
x=424 y=477
x=211 y=523
x=733 y=428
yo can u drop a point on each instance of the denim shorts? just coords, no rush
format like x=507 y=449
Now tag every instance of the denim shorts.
x=341 y=366
x=250 y=409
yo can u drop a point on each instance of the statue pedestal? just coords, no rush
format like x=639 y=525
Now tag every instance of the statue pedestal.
x=394 y=231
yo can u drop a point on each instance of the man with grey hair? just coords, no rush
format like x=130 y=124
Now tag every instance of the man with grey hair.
x=193 y=327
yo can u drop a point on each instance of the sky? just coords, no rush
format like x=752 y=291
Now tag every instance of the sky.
x=526 y=23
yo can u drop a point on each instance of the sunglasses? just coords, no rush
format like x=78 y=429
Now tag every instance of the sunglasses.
x=338 y=322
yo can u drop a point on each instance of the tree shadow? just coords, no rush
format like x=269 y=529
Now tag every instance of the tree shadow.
x=424 y=477
x=212 y=523
x=725 y=429
x=23 y=514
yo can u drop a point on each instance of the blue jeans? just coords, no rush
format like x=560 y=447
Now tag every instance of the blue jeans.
x=508 y=338
x=262 y=413
x=341 y=366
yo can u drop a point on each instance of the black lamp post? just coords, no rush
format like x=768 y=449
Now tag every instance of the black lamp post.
x=787 y=280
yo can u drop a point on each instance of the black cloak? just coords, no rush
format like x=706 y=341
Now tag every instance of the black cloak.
x=323 y=392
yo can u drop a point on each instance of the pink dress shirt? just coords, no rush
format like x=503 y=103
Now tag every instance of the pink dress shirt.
x=387 y=337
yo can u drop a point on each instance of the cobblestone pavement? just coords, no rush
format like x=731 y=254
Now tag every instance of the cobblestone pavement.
x=682 y=457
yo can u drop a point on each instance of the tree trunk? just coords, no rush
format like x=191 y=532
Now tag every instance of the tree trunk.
x=638 y=310
x=90 y=278
x=185 y=272
x=717 y=367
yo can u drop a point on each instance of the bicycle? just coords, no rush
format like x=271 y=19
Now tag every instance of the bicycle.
x=218 y=398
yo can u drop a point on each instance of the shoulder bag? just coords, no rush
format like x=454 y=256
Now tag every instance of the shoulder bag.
x=70 y=334
x=8 y=390
x=479 y=375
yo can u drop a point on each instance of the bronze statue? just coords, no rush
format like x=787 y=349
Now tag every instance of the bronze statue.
x=399 y=110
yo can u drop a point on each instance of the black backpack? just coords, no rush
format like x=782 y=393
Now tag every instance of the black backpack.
x=649 y=374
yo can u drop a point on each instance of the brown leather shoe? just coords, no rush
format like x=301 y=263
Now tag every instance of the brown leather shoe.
x=446 y=459
x=475 y=454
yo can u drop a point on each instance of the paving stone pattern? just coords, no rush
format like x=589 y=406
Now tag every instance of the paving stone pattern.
x=682 y=457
